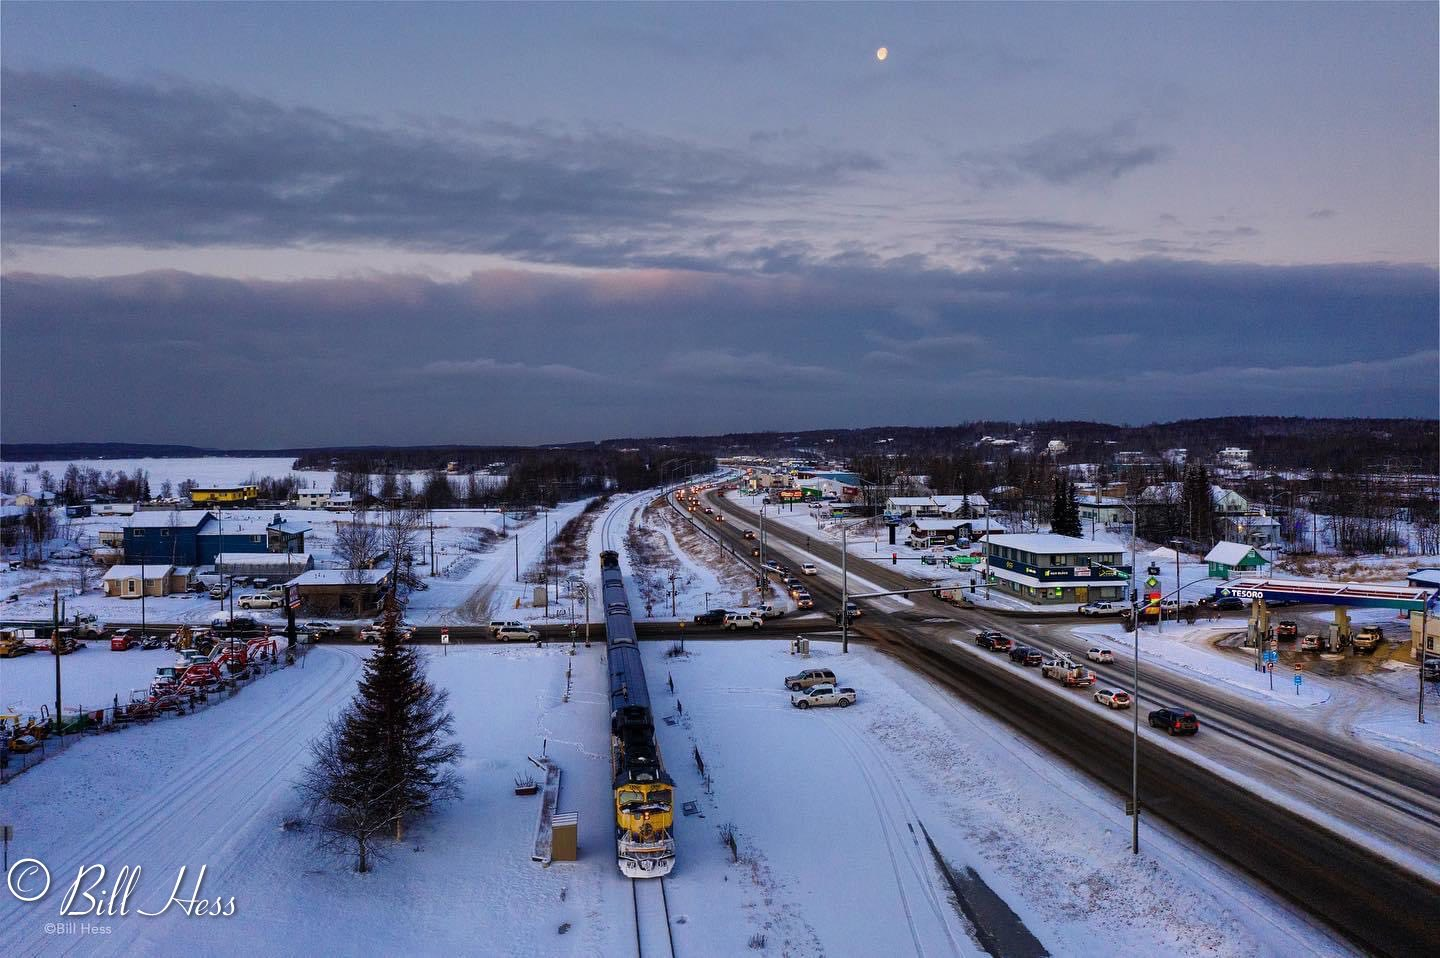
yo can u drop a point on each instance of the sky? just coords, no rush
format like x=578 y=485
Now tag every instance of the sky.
x=270 y=225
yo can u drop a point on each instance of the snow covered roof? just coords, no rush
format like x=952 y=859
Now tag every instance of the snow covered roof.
x=948 y=525
x=974 y=499
x=1425 y=577
x=1230 y=553
x=908 y=501
x=117 y=572
x=1049 y=543
x=169 y=518
x=290 y=527
x=1164 y=552
x=233 y=527
x=280 y=560
x=341 y=577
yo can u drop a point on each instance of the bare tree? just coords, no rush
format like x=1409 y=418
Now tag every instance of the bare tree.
x=399 y=536
x=350 y=808
x=357 y=543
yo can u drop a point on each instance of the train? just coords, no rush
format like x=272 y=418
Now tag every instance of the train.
x=644 y=794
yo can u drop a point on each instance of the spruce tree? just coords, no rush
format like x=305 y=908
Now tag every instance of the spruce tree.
x=1072 y=512
x=400 y=718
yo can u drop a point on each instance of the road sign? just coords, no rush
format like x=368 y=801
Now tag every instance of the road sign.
x=1298 y=679
x=444 y=636
x=1299 y=666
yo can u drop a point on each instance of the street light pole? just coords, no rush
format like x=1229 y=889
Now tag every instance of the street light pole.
x=844 y=590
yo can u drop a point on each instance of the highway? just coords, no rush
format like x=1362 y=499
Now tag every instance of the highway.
x=1320 y=861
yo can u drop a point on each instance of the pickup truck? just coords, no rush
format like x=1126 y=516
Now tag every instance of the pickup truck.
x=766 y=611
x=1101 y=608
x=823 y=695
x=259 y=600
x=1067 y=672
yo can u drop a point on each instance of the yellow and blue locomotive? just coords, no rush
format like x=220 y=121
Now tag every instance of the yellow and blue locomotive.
x=644 y=794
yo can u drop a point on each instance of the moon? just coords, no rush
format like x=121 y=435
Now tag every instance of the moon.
x=882 y=53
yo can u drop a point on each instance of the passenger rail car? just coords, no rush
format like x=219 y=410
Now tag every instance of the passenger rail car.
x=644 y=794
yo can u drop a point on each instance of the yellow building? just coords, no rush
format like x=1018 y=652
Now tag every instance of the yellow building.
x=217 y=494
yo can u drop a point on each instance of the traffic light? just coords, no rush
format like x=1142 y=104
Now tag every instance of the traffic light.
x=894 y=558
x=1152 y=591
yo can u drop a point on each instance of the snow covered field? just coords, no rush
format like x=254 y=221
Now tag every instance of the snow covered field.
x=823 y=805
x=92 y=678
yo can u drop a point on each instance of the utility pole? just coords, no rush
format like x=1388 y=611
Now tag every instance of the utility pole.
x=432 y=546
x=517 y=556
x=672 y=594
x=844 y=590
x=1424 y=623
x=55 y=651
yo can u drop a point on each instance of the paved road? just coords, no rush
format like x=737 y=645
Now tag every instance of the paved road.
x=1380 y=906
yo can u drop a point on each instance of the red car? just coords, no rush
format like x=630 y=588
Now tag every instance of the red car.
x=123 y=640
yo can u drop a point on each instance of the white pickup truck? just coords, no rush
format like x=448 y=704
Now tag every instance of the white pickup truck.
x=823 y=695
x=1063 y=669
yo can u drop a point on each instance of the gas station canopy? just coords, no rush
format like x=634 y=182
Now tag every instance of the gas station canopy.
x=1363 y=594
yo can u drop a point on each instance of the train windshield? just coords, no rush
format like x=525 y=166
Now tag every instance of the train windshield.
x=636 y=801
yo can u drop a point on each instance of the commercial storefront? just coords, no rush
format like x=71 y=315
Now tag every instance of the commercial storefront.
x=1050 y=569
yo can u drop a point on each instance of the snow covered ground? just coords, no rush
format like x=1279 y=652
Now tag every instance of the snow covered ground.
x=823 y=805
x=92 y=678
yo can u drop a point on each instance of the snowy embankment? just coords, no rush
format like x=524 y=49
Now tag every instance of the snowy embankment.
x=828 y=808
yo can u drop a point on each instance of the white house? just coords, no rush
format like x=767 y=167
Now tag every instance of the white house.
x=1235 y=456
x=911 y=506
x=1103 y=511
x=340 y=502
x=312 y=499
x=961 y=507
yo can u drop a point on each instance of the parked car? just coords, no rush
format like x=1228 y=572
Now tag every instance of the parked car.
x=711 y=617
x=219 y=591
x=258 y=600
x=514 y=632
x=317 y=627
x=1176 y=721
x=1310 y=643
x=808 y=568
x=1101 y=608
x=821 y=695
x=741 y=620
x=1025 y=655
x=151 y=642
x=809 y=678
x=1431 y=669
x=1114 y=698
x=123 y=640
x=1368 y=638
x=1287 y=630
x=1097 y=654
x=239 y=622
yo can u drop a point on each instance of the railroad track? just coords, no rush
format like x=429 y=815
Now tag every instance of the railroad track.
x=654 y=937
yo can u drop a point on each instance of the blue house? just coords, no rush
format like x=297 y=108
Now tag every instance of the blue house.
x=168 y=536
x=197 y=536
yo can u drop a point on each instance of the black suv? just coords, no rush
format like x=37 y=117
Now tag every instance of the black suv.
x=1176 y=721
x=1025 y=655
x=712 y=617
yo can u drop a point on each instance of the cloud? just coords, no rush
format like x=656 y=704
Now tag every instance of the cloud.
x=1068 y=157
x=733 y=366
x=90 y=160
x=487 y=367
x=538 y=356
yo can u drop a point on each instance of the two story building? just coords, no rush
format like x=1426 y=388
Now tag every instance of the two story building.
x=1050 y=569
